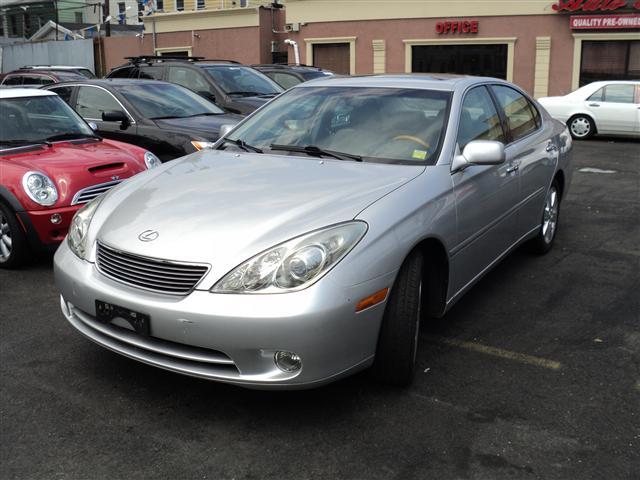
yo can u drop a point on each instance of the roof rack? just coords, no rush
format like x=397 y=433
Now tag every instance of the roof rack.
x=220 y=60
x=285 y=65
x=161 y=58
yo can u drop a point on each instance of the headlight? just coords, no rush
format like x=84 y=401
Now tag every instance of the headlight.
x=295 y=264
x=80 y=226
x=202 y=145
x=151 y=161
x=40 y=188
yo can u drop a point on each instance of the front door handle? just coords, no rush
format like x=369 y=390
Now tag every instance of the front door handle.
x=551 y=148
x=513 y=168
x=594 y=104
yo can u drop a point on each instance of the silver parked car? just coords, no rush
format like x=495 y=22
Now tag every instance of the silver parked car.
x=312 y=240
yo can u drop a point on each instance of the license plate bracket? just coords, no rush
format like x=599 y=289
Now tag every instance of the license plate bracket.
x=141 y=322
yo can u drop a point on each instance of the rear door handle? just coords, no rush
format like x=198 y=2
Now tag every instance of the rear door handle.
x=594 y=104
x=513 y=168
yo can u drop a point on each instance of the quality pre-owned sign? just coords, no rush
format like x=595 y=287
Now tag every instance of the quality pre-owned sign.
x=604 y=22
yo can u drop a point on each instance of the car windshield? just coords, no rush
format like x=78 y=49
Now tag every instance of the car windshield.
x=164 y=100
x=86 y=72
x=390 y=125
x=41 y=119
x=243 y=81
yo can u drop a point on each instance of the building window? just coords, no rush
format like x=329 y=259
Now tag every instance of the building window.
x=609 y=60
x=180 y=5
x=78 y=16
x=200 y=4
x=1 y=25
x=13 y=25
x=482 y=60
x=160 y=5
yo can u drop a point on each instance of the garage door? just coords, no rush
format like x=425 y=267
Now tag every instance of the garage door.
x=332 y=56
x=484 y=60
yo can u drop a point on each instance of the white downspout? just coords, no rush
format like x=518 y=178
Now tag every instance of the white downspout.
x=296 y=50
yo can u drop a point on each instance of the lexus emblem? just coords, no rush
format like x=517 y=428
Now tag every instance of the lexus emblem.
x=148 y=236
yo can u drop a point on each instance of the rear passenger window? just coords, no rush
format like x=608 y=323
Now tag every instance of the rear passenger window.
x=479 y=118
x=597 y=97
x=518 y=110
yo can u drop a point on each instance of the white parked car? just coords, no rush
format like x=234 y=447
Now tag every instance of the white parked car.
x=605 y=108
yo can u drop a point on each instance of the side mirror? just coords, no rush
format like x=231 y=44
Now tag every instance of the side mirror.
x=93 y=126
x=209 y=96
x=224 y=129
x=116 y=116
x=479 y=152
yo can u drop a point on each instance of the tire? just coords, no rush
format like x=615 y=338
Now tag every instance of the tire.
x=543 y=242
x=395 y=359
x=14 y=250
x=581 y=127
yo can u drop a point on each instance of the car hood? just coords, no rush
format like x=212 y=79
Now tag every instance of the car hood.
x=73 y=166
x=207 y=126
x=222 y=208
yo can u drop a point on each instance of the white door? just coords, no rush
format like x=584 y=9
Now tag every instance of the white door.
x=618 y=109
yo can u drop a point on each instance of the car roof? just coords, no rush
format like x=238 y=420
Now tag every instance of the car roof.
x=23 y=92
x=429 y=81
x=281 y=66
x=54 y=67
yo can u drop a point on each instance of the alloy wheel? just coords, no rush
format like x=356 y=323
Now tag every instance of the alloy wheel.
x=5 y=238
x=550 y=215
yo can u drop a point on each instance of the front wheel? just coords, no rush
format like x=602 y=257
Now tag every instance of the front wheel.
x=581 y=127
x=398 y=339
x=13 y=244
x=543 y=242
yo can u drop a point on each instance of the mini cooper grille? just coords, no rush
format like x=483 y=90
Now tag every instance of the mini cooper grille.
x=87 y=194
x=149 y=273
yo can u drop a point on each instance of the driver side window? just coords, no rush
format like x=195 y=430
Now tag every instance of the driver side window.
x=92 y=101
x=479 y=118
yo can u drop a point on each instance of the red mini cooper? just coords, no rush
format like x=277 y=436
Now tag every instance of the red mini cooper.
x=51 y=162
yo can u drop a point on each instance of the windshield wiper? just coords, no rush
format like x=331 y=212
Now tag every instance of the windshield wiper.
x=314 y=150
x=242 y=144
x=21 y=143
x=245 y=94
x=69 y=136
x=202 y=114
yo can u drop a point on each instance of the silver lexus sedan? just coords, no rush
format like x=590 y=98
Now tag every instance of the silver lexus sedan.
x=313 y=238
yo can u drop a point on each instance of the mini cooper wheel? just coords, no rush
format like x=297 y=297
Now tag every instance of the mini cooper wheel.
x=543 y=242
x=398 y=339
x=13 y=244
x=581 y=127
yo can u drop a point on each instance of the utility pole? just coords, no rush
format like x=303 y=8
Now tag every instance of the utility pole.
x=55 y=5
x=107 y=26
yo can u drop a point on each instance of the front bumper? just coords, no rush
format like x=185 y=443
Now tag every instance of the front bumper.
x=231 y=338
x=41 y=232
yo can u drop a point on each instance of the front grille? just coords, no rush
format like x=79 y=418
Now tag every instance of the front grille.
x=87 y=194
x=153 y=274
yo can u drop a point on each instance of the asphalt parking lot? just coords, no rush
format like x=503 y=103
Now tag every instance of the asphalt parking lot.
x=534 y=374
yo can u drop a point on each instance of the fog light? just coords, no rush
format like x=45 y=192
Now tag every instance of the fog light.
x=288 y=361
x=56 y=218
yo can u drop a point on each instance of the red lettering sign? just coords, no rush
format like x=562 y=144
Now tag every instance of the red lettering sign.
x=604 y=22
x=464 y=26
x=594 y=5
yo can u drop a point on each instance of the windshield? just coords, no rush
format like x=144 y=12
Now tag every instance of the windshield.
x=86 y=72
x=378 y=124
x=31 y=120
x=163 y=100
x=241 y=80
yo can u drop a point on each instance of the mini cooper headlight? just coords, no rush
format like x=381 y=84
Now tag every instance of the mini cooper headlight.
x=295 y=264
x=40 y=188
x=151 y=161
x=77 y=236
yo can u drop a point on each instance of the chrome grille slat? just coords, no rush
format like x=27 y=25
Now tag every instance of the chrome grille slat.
x=163 y=276
x=157 y=264
x=87 y=194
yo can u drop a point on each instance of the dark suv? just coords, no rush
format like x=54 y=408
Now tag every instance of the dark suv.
x=235 y=87
x=290 y=75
